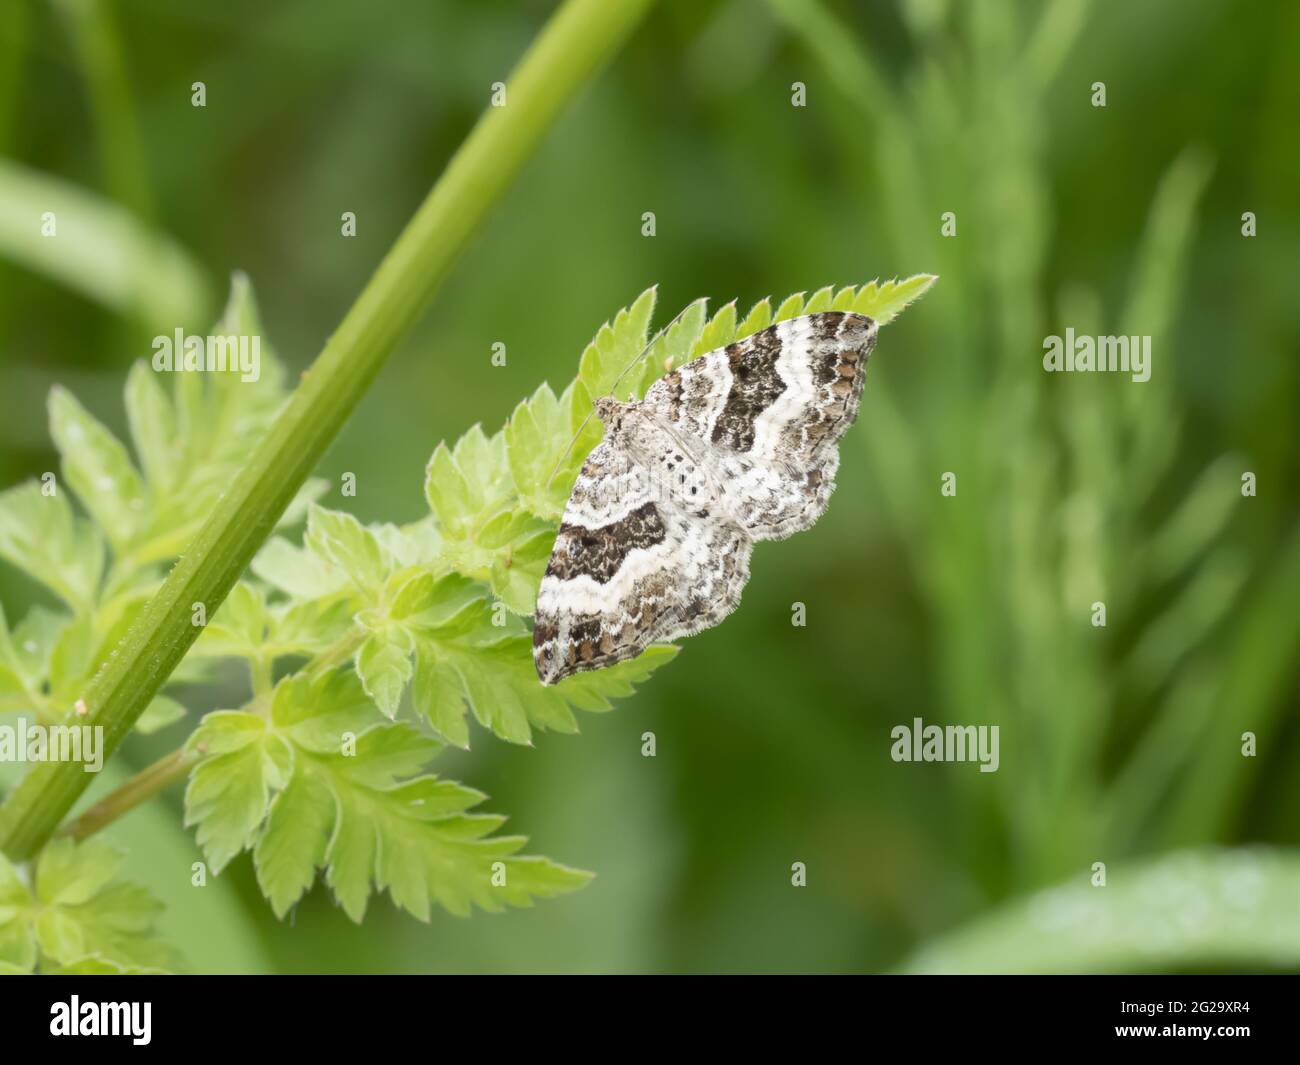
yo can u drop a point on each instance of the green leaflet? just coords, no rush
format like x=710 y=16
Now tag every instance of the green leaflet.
x=384 y=665
x=485 y=534
x=325 y=783
x=189 y=446
x=467 y=660
x=537 y=435
x=247 y=626
x=615 y=346
x=190 y=433
x=459 y=650
x=40 y=535
x=340 y=541
x=97 y=466
x=77 y=915
x=46 y=660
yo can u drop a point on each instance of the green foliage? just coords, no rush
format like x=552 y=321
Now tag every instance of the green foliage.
x=323 y=782
x=314 y=774
x=1073 y=490
x=104 y=567
x=77 y=915
x=1219 y=907
x=961 y=608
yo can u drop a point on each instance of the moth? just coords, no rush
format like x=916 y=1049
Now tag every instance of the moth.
x=736 y=446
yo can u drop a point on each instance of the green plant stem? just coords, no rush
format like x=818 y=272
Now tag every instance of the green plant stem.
x=576 y=41
x=144 y=785
x=259 y=674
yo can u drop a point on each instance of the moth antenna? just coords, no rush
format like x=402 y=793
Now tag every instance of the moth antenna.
x=565 y=454
x=646 y=350
x=622 y=374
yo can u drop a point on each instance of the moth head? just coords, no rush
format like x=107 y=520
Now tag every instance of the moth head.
x=610 y=411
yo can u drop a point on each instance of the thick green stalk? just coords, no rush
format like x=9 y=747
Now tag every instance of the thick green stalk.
x=143 y=786
x=574 y=44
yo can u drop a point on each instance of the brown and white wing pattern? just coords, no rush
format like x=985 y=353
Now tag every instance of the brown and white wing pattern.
x=769 y=411
x=739 y=445
x=628 y=571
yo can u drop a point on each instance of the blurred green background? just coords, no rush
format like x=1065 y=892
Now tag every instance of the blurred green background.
x=1119 y=745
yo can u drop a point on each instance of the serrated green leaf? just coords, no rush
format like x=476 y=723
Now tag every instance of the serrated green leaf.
x=615 y=346
x=672 y=348
x=447 y=493
x=547 y=439
x=153 y=427
x=230 y=788
x=790 y=307
x=28 y=649
x=25 y=657
x=415 y=595
x=537 y=432
x=416 y=544
x=885 y=301
x=469 y=663
x=346 y=799
x=295 y=841
x=97 y=468
x=73 y=657
x=42 y=537
x=296 y=571
x=467 y=485
x=312 y=714
x=819 y=301
x=472 y=493
x=720 y=331
x=82 y=644
x=17 y=936
x=758 y=318
x=77 y=908
x=339 y=540
x=190 y=445
x=844 y=299
x=383 y=663
x=216 y=417
x=307 y=628
x=239 y=627
x=517 y=571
